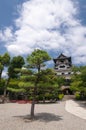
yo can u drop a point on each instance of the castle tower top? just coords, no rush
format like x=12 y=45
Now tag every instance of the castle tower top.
x=62 y=58
x=63 y=64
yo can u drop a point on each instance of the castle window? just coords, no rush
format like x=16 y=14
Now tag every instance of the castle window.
x=69 y=72
x=62 y=66
x=68 y=67
x=62 y=61
x=56 y=68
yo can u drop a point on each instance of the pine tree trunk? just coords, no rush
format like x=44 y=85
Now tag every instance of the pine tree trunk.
x=32 y=109
x=0 y=74
x=34 y=98
x=33 y=103
x=4 y=96
x=5 y=90
x=43 y=99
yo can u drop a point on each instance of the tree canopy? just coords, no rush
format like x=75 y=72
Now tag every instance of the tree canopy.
x=41 y=82
x=16 y=63
x=4 y=62
x=37 y=59
x=79 y=82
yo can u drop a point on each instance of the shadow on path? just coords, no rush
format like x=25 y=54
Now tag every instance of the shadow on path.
x=42 y=117
x=82 y=104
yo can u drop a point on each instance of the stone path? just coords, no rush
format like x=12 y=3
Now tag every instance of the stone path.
x=76 y=108
x=14 y=116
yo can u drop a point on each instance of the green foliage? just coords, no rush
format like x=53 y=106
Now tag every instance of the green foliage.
x=17 y=61
x=14 y=87
x=37 y=58
x=60 y=81
x=45 y=82
x=76 y=69
x=77 y=96
x=76 y=85
x=4 y=62
x=15 y=64
x=42 y=82
x=30 y=98
x=79 y=82
x=2 y=83
x=6 y=59
x=60 y=96
x=48 y=96
x=1 y=67
x=26 y=85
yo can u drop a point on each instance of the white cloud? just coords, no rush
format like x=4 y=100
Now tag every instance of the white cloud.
x=50 y=25
x=6 y=35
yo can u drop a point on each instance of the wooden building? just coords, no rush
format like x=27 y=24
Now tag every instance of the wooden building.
x=62 y=65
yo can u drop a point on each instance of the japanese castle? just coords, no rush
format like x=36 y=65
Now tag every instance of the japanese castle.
x=62 y=65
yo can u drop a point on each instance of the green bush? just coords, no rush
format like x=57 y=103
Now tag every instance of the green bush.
x=40 y=97
x=60 y=96
x=77 y=96
x=30 y=98
x=48 y=96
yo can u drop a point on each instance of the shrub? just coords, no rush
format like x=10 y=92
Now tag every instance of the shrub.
x=48 y=96
x=40 y=97
x=60 y=96
x=77 y=96
x=30 y=98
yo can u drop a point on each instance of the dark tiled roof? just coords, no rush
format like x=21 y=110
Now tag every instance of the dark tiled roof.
x=62 y=57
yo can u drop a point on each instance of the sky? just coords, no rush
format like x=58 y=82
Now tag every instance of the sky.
x=57 y=26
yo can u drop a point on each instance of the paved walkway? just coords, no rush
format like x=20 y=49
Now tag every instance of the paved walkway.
x=76 y=108
x=14 y=116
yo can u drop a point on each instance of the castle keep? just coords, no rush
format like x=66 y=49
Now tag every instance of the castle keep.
x=62 y=65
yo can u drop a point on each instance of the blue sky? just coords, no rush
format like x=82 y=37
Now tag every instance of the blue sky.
x=53 y=25
x=8 y=11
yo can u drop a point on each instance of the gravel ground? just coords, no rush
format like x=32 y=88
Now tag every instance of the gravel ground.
x=14 y=116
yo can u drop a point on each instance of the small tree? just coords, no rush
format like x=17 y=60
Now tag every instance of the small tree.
x=37 y=59
x=15 y=62
x=48 y=86
x=4 y=62
x=14 y=89
x=40 y=79
x=2 y=83
x=39 y=85
x=79 y=82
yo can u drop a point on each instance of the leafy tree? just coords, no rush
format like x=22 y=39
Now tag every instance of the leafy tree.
x=1 y=69
x=15 y=63
x=42 y=85
x=76 y=70
x=37 y=59
x=40 y=80
x=14 y=89
x=48 y=85
x=79 y=82
x=2 y=83
x=61 y=81
x=14 y=67
x=4 y=62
